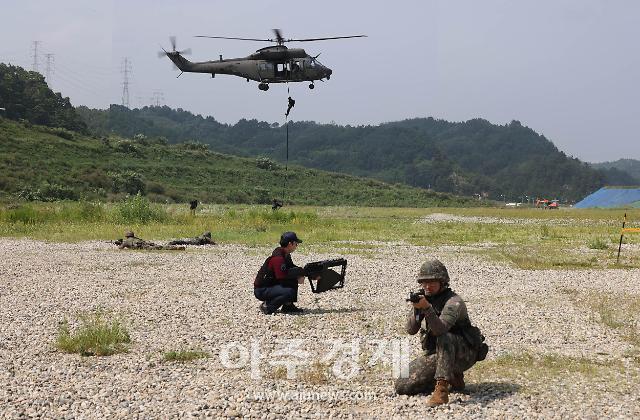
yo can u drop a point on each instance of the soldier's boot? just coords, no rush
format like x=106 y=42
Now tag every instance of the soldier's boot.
x=457 y=382
x=290 y=308
x=440 y=394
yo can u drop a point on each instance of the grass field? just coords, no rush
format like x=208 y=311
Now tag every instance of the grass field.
x=527 y=238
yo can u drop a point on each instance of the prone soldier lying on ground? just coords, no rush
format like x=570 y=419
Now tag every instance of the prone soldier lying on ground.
x=204 y=239
x=130 y=241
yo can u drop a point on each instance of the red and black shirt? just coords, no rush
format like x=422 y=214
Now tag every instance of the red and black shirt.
x=278 y=269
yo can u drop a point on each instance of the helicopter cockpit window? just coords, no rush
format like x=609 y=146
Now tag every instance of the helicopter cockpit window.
x=312 y=63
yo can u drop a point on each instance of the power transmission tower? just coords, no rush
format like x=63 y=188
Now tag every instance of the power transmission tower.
x=158 y=98
x=50 y=63
x=34 y=66
x=126 y=69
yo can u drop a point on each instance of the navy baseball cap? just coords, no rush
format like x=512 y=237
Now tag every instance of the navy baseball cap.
x=289 y=237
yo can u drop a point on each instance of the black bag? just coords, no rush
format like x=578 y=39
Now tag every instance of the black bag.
x=474 y=337
x=428 y=341
x=265 y=276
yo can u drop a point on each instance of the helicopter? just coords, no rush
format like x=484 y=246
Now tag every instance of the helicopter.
x=272 y=64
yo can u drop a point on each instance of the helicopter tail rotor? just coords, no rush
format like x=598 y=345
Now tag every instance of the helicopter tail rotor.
x=174 y=50
x=179 y=63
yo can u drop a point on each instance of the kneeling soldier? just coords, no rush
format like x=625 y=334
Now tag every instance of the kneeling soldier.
x=451 y=345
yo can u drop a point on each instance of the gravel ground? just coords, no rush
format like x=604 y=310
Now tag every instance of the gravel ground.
x=202 y=299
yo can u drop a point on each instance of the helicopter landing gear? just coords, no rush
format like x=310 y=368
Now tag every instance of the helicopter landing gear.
x=263 y=86
x=311 y=86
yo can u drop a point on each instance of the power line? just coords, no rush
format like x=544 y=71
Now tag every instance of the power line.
x=70 y=81
x=126 y=68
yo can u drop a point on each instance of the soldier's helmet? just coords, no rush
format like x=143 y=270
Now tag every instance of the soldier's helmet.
x=433 y=270
x=129 y=234
x=207 y=234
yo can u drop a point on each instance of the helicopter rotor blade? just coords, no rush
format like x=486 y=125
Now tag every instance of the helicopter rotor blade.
x=162 y=53
x=239 y=39
x=172 y=39
x=185 y=52
x=324 y=39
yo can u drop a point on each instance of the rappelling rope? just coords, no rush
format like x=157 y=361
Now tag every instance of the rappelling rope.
x=286 y=164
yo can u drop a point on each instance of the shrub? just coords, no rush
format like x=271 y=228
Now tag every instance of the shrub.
x=162 y=141
x=94 y=337
x=138 y=209
x=97 y=178
x=262 y=195
x=266 y=163
x=155 y=187
x=23 y=214
x=127 y=147
x=84 y=211
x=598 y=244
x=56 y=192
x=129 y=182
x=185 y=355
x=48 y=192
x=194 y=145
x=60 y=132
x=141 y=138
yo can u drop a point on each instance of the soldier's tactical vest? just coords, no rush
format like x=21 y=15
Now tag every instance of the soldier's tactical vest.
x=463 y=327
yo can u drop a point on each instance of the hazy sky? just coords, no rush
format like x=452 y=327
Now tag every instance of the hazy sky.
x=566 y=68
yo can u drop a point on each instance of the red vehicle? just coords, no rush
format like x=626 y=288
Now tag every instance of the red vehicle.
x=547 y=204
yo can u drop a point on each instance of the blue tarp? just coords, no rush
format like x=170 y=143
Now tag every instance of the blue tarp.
x=611 y=197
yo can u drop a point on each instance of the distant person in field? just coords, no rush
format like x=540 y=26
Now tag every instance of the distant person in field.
x=192 y=206
x=276 y=204
x=204 y=239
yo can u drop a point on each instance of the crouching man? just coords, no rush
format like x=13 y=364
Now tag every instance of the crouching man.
x=451 y=345
x=276 y=283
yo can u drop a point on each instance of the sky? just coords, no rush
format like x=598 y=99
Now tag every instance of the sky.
x=568 y=69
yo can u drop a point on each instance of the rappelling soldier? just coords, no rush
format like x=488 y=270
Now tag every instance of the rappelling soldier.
x=292 y=103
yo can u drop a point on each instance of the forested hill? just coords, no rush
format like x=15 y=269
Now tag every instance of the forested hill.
x=43 y=163
x=26 y=96
x=630 y=167
x=464 y=158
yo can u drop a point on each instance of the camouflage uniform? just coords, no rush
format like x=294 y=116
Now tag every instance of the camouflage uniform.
x=447 y=354
x=204 y=239
x=131 y=242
